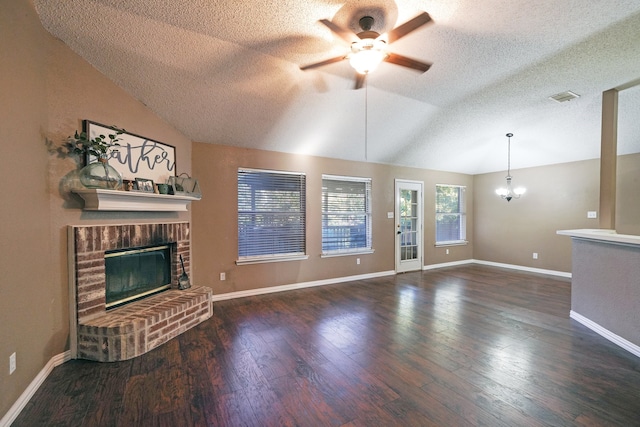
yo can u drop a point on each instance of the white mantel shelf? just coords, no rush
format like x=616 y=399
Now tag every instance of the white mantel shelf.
x=116 y=200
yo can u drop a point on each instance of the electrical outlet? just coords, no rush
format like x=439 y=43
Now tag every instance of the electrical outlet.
x=12 y=363
x=223 y=276
x=535 y=255
x=358 y=261
x=592 y=214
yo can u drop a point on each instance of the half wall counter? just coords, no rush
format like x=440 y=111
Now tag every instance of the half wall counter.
x=605 y=284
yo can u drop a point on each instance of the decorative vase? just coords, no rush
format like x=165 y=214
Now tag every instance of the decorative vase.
x=100 y=175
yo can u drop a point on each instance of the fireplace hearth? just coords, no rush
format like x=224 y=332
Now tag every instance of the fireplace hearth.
x=111 y=325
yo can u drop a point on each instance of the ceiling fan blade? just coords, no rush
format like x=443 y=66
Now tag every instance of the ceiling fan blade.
x=345 y=35
x=321 y=63
x=408 y=26
x=360 y=78
x=394 y=58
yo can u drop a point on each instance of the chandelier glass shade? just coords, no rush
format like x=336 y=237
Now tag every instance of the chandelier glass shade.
x=509 y=192
x=367 y=54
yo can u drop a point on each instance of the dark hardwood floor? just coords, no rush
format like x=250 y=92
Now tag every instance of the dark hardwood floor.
x=465 y=346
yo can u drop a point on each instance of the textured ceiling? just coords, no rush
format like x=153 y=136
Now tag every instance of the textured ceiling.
x=227 y=72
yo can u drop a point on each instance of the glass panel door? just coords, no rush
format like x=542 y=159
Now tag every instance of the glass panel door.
x=409 y=234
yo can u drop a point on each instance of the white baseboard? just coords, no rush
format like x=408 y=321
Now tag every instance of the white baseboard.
x=301 y=285
x=523 y=268
x=616 y=339
x=282 y=288
x=24 y=398
x=634 y=349
x=447 y=264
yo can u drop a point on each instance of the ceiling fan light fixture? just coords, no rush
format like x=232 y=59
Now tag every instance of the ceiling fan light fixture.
x=370 y=50
x=367 y=54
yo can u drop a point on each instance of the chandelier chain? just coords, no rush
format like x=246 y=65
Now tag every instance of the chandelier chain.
x=509 y=193
x=509 y=157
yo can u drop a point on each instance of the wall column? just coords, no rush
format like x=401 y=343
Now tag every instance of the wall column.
x=608 y=159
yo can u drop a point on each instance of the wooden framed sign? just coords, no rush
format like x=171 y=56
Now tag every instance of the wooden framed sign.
x=137 y=156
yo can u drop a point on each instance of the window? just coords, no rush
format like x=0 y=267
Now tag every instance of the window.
x=271 y=215
x=346 y=215
x=451 y=216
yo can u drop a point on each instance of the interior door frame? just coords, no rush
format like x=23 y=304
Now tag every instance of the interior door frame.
x=400 y=266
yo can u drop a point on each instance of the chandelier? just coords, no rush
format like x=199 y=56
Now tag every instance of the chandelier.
x=509 y=192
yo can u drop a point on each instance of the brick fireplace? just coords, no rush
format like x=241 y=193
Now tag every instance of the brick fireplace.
x=135 y=328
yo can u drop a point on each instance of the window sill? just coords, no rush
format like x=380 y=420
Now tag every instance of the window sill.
x=336 y=254
x=454 y=243
x=271 y=259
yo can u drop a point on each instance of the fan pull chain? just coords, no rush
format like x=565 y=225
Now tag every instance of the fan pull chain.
x=366 y=121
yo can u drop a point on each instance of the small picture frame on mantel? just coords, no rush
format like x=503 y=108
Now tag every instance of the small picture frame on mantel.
x=184 y=185
x=145 y=185
x=128 y=185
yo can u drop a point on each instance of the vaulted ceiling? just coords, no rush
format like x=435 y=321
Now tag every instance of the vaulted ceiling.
x=227 y=72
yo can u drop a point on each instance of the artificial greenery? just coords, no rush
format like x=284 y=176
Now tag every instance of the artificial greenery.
x=80 y=143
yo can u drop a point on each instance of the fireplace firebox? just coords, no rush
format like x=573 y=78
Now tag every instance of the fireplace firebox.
x=135 y=273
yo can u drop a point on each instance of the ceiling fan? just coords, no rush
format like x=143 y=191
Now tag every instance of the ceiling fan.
x=368 y=47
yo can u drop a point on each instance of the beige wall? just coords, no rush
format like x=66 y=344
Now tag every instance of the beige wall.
x=27 y=287
x=215 y=248
x=557 y=198
x=628 y=194
x=47 y=91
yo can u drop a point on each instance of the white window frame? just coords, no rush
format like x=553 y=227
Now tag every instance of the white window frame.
x=368 y=245
x=264 y=216
x=461 y=213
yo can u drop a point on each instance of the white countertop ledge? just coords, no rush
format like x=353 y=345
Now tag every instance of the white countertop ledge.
x=603 y=235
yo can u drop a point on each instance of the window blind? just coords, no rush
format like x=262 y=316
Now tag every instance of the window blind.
x=271 y=214
x=451 y=219
x=346 y=214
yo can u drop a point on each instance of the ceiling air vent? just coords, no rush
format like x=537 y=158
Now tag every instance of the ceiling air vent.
x=564 y=96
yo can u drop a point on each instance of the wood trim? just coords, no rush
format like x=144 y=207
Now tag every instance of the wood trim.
x=116 y=200
x=616 y=339
x=608 y=159
x=301 y=285
x=26 y=395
